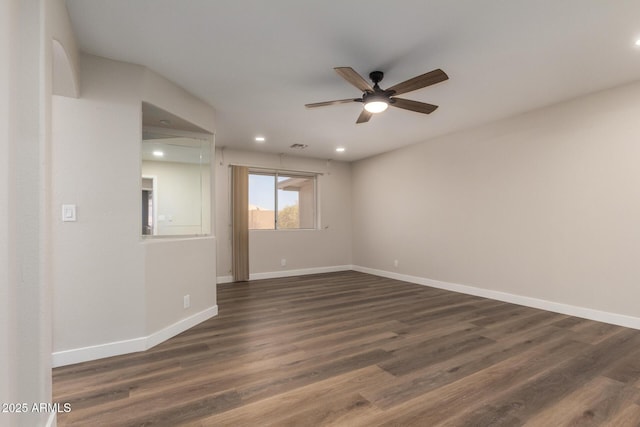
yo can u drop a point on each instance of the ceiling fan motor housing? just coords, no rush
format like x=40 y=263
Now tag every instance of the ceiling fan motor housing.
x=376 y=76
x=375 y=96
x=378 y=95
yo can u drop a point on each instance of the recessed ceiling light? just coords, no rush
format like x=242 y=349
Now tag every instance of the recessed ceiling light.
x=260 y=139
x=637 y=43
x=158 y=153
x=340 y=149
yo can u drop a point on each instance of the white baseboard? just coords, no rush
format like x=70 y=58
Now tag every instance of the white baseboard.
x=556 y=307
x=289 y=273
x=84 y=354
x=181 y=326
x=68 y=357
x=224 y=279
x=300 y=272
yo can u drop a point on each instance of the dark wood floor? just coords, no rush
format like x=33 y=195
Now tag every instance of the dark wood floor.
x=351 y=349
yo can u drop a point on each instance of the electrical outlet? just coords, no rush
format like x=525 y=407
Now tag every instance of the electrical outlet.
x=187 y=301
x=283 y=262
x=68 y=213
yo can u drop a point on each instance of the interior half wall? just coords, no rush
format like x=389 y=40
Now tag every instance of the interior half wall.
x=114 y=291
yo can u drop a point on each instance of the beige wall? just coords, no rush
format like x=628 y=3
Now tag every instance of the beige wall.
x=306 y=203
x=108 y=294
x=7 y=277
x=175 y=268
x=310 y=250
x=183 y=190
x=98 y=265
x=542 y=205
x=27 y=81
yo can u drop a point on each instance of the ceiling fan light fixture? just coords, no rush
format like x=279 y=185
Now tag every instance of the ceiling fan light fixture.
x=376 y=106
x=376 y=100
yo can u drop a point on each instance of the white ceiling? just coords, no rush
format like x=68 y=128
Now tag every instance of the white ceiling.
x=258 y=62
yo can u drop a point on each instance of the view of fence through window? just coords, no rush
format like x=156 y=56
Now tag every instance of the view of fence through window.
x=291 y=196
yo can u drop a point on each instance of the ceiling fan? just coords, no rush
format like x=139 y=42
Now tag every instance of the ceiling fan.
x=376 y=99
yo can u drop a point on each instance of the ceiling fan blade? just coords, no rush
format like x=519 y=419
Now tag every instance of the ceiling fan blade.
x=324 y=104
x=364 y=116
x=418 y=107
x=426 y=79
x=350 y=75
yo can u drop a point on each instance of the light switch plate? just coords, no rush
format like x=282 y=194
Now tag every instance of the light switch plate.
x=68 y=213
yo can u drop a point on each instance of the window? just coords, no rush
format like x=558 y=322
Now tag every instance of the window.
x=281 y=200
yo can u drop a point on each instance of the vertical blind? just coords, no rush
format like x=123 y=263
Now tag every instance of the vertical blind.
x=240 y=223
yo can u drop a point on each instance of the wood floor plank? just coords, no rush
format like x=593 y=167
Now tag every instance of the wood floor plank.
x=408 y=387
x=529 y=398
x=626 y=369
x=629 y=416
x=324 y=402
x=432 y=351
x=475 y=390
x=352 y=349
x=594 y=404
x=519 y=326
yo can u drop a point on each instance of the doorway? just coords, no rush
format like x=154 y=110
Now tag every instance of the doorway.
x=149 y=227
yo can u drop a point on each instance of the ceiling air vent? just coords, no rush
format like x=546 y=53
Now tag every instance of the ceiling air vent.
x=298 y=146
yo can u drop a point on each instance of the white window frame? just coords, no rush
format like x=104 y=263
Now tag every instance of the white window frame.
x=281 y=172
